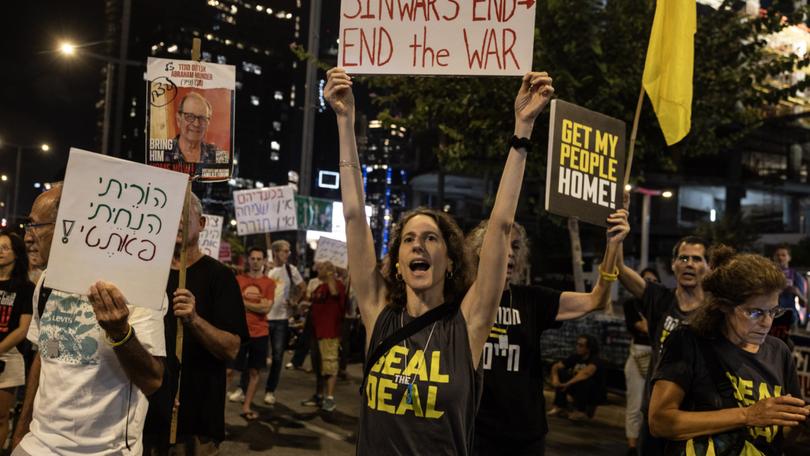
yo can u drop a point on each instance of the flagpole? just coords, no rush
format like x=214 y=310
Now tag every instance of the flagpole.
x=633 y=133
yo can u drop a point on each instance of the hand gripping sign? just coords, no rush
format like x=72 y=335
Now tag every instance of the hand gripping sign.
x=117 y=222
x=438 y=37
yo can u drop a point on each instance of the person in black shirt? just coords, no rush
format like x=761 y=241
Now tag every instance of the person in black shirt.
x=16 y=294
x=723 y=386
x=421 y=396
x=510 y=420
x=214 y=327
x=638 y=363
x=578 y=379
x=666 y=309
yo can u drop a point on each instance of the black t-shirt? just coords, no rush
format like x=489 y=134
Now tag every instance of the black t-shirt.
x=633 y=316
x=218 y=301
x=15 y=300
x=659 y=306
x=440 y=417
x=512 y=406
x=754 y=376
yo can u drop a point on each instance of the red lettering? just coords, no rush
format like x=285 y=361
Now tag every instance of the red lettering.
x=508 y=49
x=359 y=10
x=490 y=46
x=476 y=17
x=455 y=15
x=380 y=61
x=442 y=53
x=475 y=57
x=345 y=43
x=492 y=42
x=368 y=14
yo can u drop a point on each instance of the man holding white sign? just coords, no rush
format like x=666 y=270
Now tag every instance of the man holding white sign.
x=97 y=343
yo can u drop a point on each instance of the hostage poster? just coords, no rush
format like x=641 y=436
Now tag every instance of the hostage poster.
x=190 y=117
x=586 y=163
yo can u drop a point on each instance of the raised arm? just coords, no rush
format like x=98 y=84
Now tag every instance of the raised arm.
x=481 y=302
x=573 y=304
x=363 y=272
x=630 y=279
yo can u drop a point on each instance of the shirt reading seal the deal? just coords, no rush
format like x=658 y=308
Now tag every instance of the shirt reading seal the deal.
x=513 y=406
x=85 y=403
x=440 y=415
x=771 y=372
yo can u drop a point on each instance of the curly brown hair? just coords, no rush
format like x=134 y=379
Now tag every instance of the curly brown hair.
x=455 y=287
x=734 y=279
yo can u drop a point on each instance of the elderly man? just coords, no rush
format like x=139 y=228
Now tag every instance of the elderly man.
x=193 y=117
x=99 y=357
x=214 y=327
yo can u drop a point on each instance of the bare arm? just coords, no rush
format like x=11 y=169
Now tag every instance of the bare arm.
x=582 y=375
x=630 y=279
x=27 y=412
x=112 y=313
x=642 y=326
x=222 y=344
x=262 y=307
x=365 y=276
x=480 y=304
x=555 y=376
x=18 y=335
x=669 y=422
x=574 y=305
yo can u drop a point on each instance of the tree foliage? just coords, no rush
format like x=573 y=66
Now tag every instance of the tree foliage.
x=595 y=52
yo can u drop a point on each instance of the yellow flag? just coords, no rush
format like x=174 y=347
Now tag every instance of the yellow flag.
x=670 y=64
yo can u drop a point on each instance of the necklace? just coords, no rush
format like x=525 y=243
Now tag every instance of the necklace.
x=409 y=393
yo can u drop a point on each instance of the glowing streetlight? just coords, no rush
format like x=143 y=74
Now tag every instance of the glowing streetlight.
x=666 y=194
x=45 y=147
x=67 y=48
x=4 y=177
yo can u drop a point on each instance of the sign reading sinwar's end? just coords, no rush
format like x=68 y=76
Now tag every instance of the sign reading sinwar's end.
x=586 y=160
x=447 y=37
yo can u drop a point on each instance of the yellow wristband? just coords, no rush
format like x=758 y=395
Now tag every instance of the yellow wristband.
x=121 y=342
x=609 y=277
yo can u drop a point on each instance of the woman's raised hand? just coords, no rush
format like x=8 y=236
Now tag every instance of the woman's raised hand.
x=338 y=92
x=534 y=94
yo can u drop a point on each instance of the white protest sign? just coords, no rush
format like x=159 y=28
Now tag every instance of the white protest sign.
x=447 y=37
x=211 y=236
x=117 y=222
x=333 y=251
x=265 y=210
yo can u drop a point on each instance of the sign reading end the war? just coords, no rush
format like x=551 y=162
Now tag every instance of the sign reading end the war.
x=586 y=163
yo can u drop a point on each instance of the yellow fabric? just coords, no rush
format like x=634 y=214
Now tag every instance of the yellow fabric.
x=670 y=64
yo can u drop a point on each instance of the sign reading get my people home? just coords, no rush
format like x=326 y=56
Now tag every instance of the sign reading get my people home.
x=437 y=37
x=586 y=163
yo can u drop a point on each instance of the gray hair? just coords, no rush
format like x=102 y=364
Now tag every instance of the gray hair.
x=475 y=239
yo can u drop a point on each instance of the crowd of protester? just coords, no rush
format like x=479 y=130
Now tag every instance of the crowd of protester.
x=450 y=336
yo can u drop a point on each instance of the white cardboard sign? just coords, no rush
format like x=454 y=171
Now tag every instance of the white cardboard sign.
x=117 y=222
x=265 y=210
x=333 y=251
x=211 y=236
x=440 y=37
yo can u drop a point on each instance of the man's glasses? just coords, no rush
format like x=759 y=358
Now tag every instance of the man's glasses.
x=695 y=259
x=32 y=225
x=5 y=248
x=759 y=314
x=191 y=118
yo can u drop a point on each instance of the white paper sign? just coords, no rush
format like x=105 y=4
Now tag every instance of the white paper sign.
x=211 y=236
x=117 y=222
x=447 y=37
x=333 y=251
x=265 y=210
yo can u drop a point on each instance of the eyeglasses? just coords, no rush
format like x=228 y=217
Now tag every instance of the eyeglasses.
x=695 y=259
x=759 y=314
x=5 y=248
x=191 y=118
x=32 y=225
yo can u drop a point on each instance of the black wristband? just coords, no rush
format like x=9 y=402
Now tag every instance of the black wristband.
x=520 y=143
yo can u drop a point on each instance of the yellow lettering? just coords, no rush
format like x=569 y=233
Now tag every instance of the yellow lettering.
x=415 y=407
x=763 y=391
x=606 y=143
x=431 y=411
x=383 y=395
x=565 y=152
x=416 y=366
x=747 y=390
x=596 y=160
x=394 y=357
x=567 y=125
x=378 y=364
x=582 y=135
x=573 y=162
x=371 y=391
x=611 y=170
x=435 y=365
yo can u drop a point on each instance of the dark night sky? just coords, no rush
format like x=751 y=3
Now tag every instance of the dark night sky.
x=43 y=96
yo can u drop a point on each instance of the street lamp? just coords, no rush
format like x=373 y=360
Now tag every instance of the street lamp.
x=43 y=147
x=645 y=219
x=70 y=50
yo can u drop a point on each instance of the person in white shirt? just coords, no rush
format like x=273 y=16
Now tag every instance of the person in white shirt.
x=99 y=357
x=287 y=277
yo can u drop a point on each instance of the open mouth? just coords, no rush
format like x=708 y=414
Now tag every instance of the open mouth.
x=419 y=265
